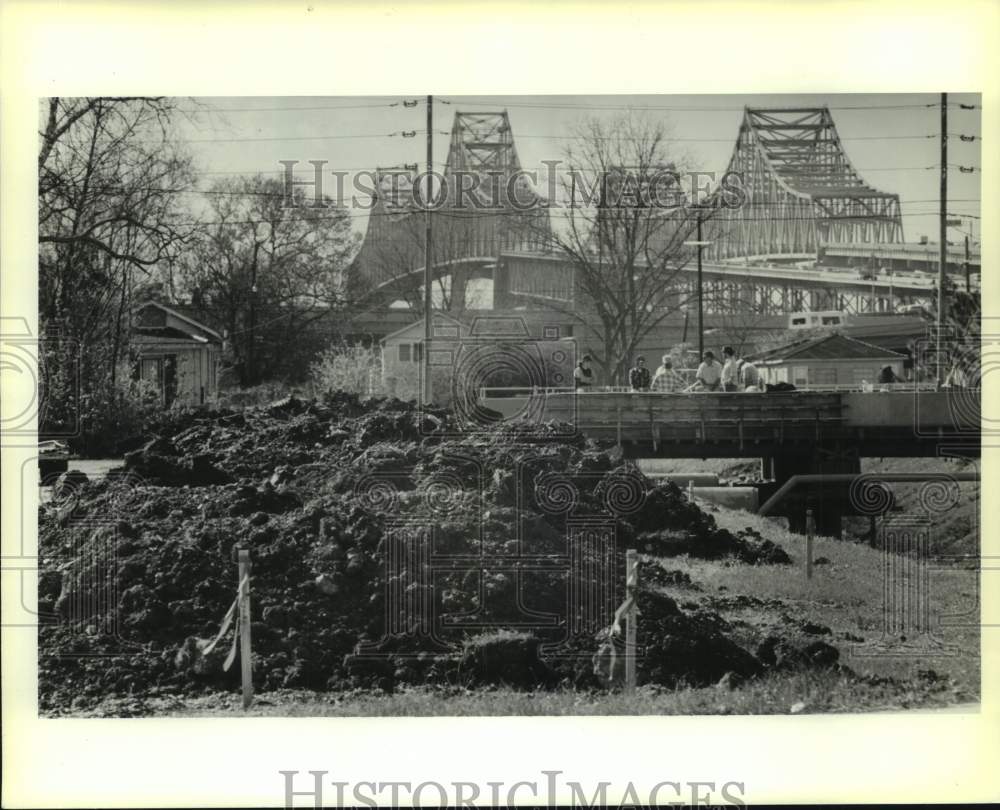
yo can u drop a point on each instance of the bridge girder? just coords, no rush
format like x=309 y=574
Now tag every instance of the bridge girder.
x=801 y=190
x=473 y=213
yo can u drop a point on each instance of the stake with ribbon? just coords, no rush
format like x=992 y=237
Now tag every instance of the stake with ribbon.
x=238 y=617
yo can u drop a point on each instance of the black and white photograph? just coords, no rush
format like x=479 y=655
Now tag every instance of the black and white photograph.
x=509 y=405
x=380 y=405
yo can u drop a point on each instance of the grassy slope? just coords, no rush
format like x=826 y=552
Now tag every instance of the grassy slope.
x=845 y=595
x=955 y=531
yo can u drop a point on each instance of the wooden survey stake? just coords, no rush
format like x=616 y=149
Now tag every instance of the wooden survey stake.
x=810 y=528
x=246 y=669
x=631 y=585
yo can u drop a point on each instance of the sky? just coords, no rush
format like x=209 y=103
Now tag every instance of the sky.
x=891 y=139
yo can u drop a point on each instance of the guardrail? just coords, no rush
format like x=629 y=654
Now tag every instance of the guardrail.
x=520 y=391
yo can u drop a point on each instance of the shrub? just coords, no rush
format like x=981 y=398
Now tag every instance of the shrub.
x=354 y=369
x=111 y=415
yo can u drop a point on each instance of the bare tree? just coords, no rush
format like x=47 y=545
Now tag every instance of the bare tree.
x=626 y=219
x=741 y=318
x=110 y=212
x=270 y=273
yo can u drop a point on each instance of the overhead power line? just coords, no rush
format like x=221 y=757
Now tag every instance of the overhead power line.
x=289 y=138
x=667 y=108
x=325 y=107
x=339 y=213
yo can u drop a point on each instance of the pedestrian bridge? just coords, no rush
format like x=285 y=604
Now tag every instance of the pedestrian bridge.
x=907 y=420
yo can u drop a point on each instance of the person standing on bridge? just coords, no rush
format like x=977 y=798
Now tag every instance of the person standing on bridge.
x=748 y=376
x=730 y=369
x=583 y=375
x=639 y=377
x=887 y=376
x=666 y=380
x=709 y=374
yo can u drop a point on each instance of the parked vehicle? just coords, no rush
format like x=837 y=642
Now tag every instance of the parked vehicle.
x=812 y=320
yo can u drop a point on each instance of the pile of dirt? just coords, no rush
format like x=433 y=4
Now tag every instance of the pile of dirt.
x=388 y=547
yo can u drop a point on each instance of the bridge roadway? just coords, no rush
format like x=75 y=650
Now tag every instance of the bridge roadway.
x=793 y=433
x=548 y=275
x=850 y=278
x=773 y=288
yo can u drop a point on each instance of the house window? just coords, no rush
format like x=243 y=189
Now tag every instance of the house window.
x=418 y=352
x=860 y=375
x=404 y=352
x=800 y=375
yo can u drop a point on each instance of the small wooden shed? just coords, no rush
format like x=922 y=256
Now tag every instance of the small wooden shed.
x=176 y=353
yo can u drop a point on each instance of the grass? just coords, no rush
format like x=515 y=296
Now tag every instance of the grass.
x=847 y=595
x=790 y=693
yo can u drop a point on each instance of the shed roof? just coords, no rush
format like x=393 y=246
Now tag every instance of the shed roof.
x=828 y=347
x=168 y=333
x=439 y=317
x=181 y=316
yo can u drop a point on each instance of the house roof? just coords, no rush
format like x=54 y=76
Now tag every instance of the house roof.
x=168 y=333
x=181 y=316
x=438 y=316
x=828 y=347
x=889 y=335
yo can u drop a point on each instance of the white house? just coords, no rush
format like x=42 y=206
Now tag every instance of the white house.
x=403 y=355
x=177 y=354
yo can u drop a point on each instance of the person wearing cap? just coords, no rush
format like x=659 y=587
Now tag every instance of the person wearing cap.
x=639 y=377
x=709 y=374
x=666 y=380
x=583 y=375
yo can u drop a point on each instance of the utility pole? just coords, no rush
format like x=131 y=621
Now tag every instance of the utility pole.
x=428 y=393
x=943 y=236
x=701 y=306
x=968 y=281
x=699 y=243
x=251 y=373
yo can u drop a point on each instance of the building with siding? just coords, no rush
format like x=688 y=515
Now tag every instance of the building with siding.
x=176 y=354
x=403 y=355
x=833 y=359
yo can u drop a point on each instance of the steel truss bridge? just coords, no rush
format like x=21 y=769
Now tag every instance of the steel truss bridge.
x=801 y=192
